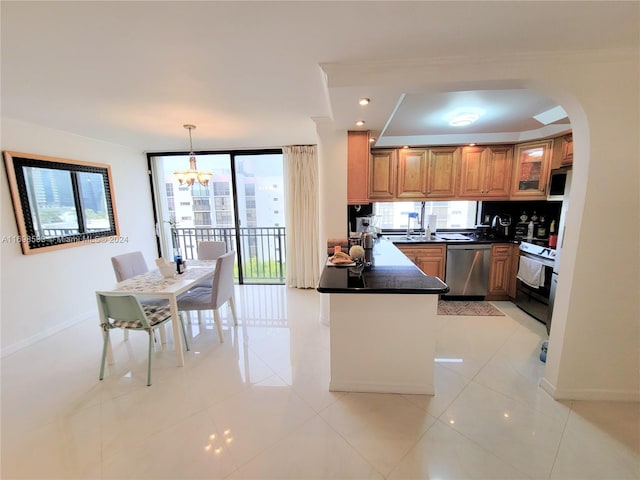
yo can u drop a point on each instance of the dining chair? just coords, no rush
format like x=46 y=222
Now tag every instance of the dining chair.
x=212 y=298
x=129 y=265
x=210 y=249
x=124 y=311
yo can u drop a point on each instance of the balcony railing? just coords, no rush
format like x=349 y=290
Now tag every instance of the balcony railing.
x=262 y=249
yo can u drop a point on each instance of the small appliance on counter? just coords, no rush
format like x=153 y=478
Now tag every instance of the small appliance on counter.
x=501 y=225
x=483 y=232
x=367 y=244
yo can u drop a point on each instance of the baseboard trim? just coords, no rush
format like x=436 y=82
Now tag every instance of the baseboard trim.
x=589 y=394
x=15 y=347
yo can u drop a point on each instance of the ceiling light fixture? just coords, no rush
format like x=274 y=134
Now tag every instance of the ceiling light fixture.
x=190 y=176
x=360 y=123
x=464 y=119
x=364 y=101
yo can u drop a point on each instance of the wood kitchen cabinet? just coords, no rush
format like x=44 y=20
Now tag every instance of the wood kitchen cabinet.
x=515 y=264
x=567 y=151
x=562 y=152
x=442 y=173
x=486 y=172
x=430 y=259
x=383 y=165
x=357 y=168
x=531 y=167
x=500 y=271
x=412 y=173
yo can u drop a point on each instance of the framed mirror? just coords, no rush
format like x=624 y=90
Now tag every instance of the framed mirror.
x=60 y=203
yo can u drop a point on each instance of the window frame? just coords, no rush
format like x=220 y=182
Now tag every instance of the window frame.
x=33 y=241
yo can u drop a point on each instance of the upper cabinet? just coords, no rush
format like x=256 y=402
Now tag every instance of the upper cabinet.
x=562 y=152
x=412 y=173
x=532 y=162
x=494 y=172
x=486 y=172
x=383 y=166
x=357 y=168
x=567 y=151
x=442 y=174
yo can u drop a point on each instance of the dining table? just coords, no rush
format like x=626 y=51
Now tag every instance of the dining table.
x=153 y=284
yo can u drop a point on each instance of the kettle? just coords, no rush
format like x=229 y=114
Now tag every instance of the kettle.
x=500 y=225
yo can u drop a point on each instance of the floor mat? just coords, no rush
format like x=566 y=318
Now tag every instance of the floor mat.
x=459 y=307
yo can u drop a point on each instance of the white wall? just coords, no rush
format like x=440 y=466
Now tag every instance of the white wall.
x=594 y=350
x=45 y=292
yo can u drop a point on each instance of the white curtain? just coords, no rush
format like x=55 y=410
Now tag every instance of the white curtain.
x=302 y=217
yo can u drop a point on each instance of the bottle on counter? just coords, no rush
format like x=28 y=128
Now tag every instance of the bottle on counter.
x=523 y=217
x=530 y=230
x=542 y=229
x=553 y=238
x=427 y=232
x=177 y=258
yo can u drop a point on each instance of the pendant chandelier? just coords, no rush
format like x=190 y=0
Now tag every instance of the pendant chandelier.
x=190 y=176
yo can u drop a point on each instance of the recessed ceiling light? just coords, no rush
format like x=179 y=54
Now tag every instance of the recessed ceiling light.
x=364 y=101
x=360 y=123
x=464 y=119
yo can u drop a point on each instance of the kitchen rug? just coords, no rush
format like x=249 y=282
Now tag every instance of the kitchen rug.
x=468 y=308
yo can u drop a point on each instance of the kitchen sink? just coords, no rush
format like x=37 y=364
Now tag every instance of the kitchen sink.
x=444 y=237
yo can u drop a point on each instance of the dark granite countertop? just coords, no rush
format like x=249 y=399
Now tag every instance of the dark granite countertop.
x=391 y=272
x=446 y=238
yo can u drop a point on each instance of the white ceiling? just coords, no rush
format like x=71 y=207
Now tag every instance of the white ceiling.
x=252 y=74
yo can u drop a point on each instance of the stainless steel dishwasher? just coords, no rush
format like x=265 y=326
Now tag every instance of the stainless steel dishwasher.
x=467 y=272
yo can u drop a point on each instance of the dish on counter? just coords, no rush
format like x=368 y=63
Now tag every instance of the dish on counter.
x=331 y=264
x=340 y=259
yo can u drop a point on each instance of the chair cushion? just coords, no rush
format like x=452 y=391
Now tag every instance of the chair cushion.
x=198 y=298
x=155 y=314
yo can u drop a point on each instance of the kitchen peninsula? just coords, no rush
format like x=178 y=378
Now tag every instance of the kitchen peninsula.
x=383 y=323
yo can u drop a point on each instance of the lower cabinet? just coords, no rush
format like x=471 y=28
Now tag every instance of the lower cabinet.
x=500 y=271
x=430 y=259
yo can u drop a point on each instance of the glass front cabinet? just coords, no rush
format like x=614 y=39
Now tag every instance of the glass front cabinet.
x=532 y=162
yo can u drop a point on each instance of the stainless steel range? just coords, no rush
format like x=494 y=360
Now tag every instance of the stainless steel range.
x=534 y=297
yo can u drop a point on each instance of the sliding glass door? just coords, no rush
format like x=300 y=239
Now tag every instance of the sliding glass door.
x=243 y=205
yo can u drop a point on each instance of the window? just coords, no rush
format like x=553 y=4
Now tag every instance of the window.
x=224 y=219
x=236 y=206
x=201 y=219
x=198 y=190
x=59 y=203
x=221 y=188
x=201 y=203
x=450 y=215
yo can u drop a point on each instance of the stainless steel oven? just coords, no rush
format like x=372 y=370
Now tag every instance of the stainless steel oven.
x=535 y=301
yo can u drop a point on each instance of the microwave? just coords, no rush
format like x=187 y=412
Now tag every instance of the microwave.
x=558 y=184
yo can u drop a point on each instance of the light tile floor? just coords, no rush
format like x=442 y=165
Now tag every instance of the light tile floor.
x=258 y=406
